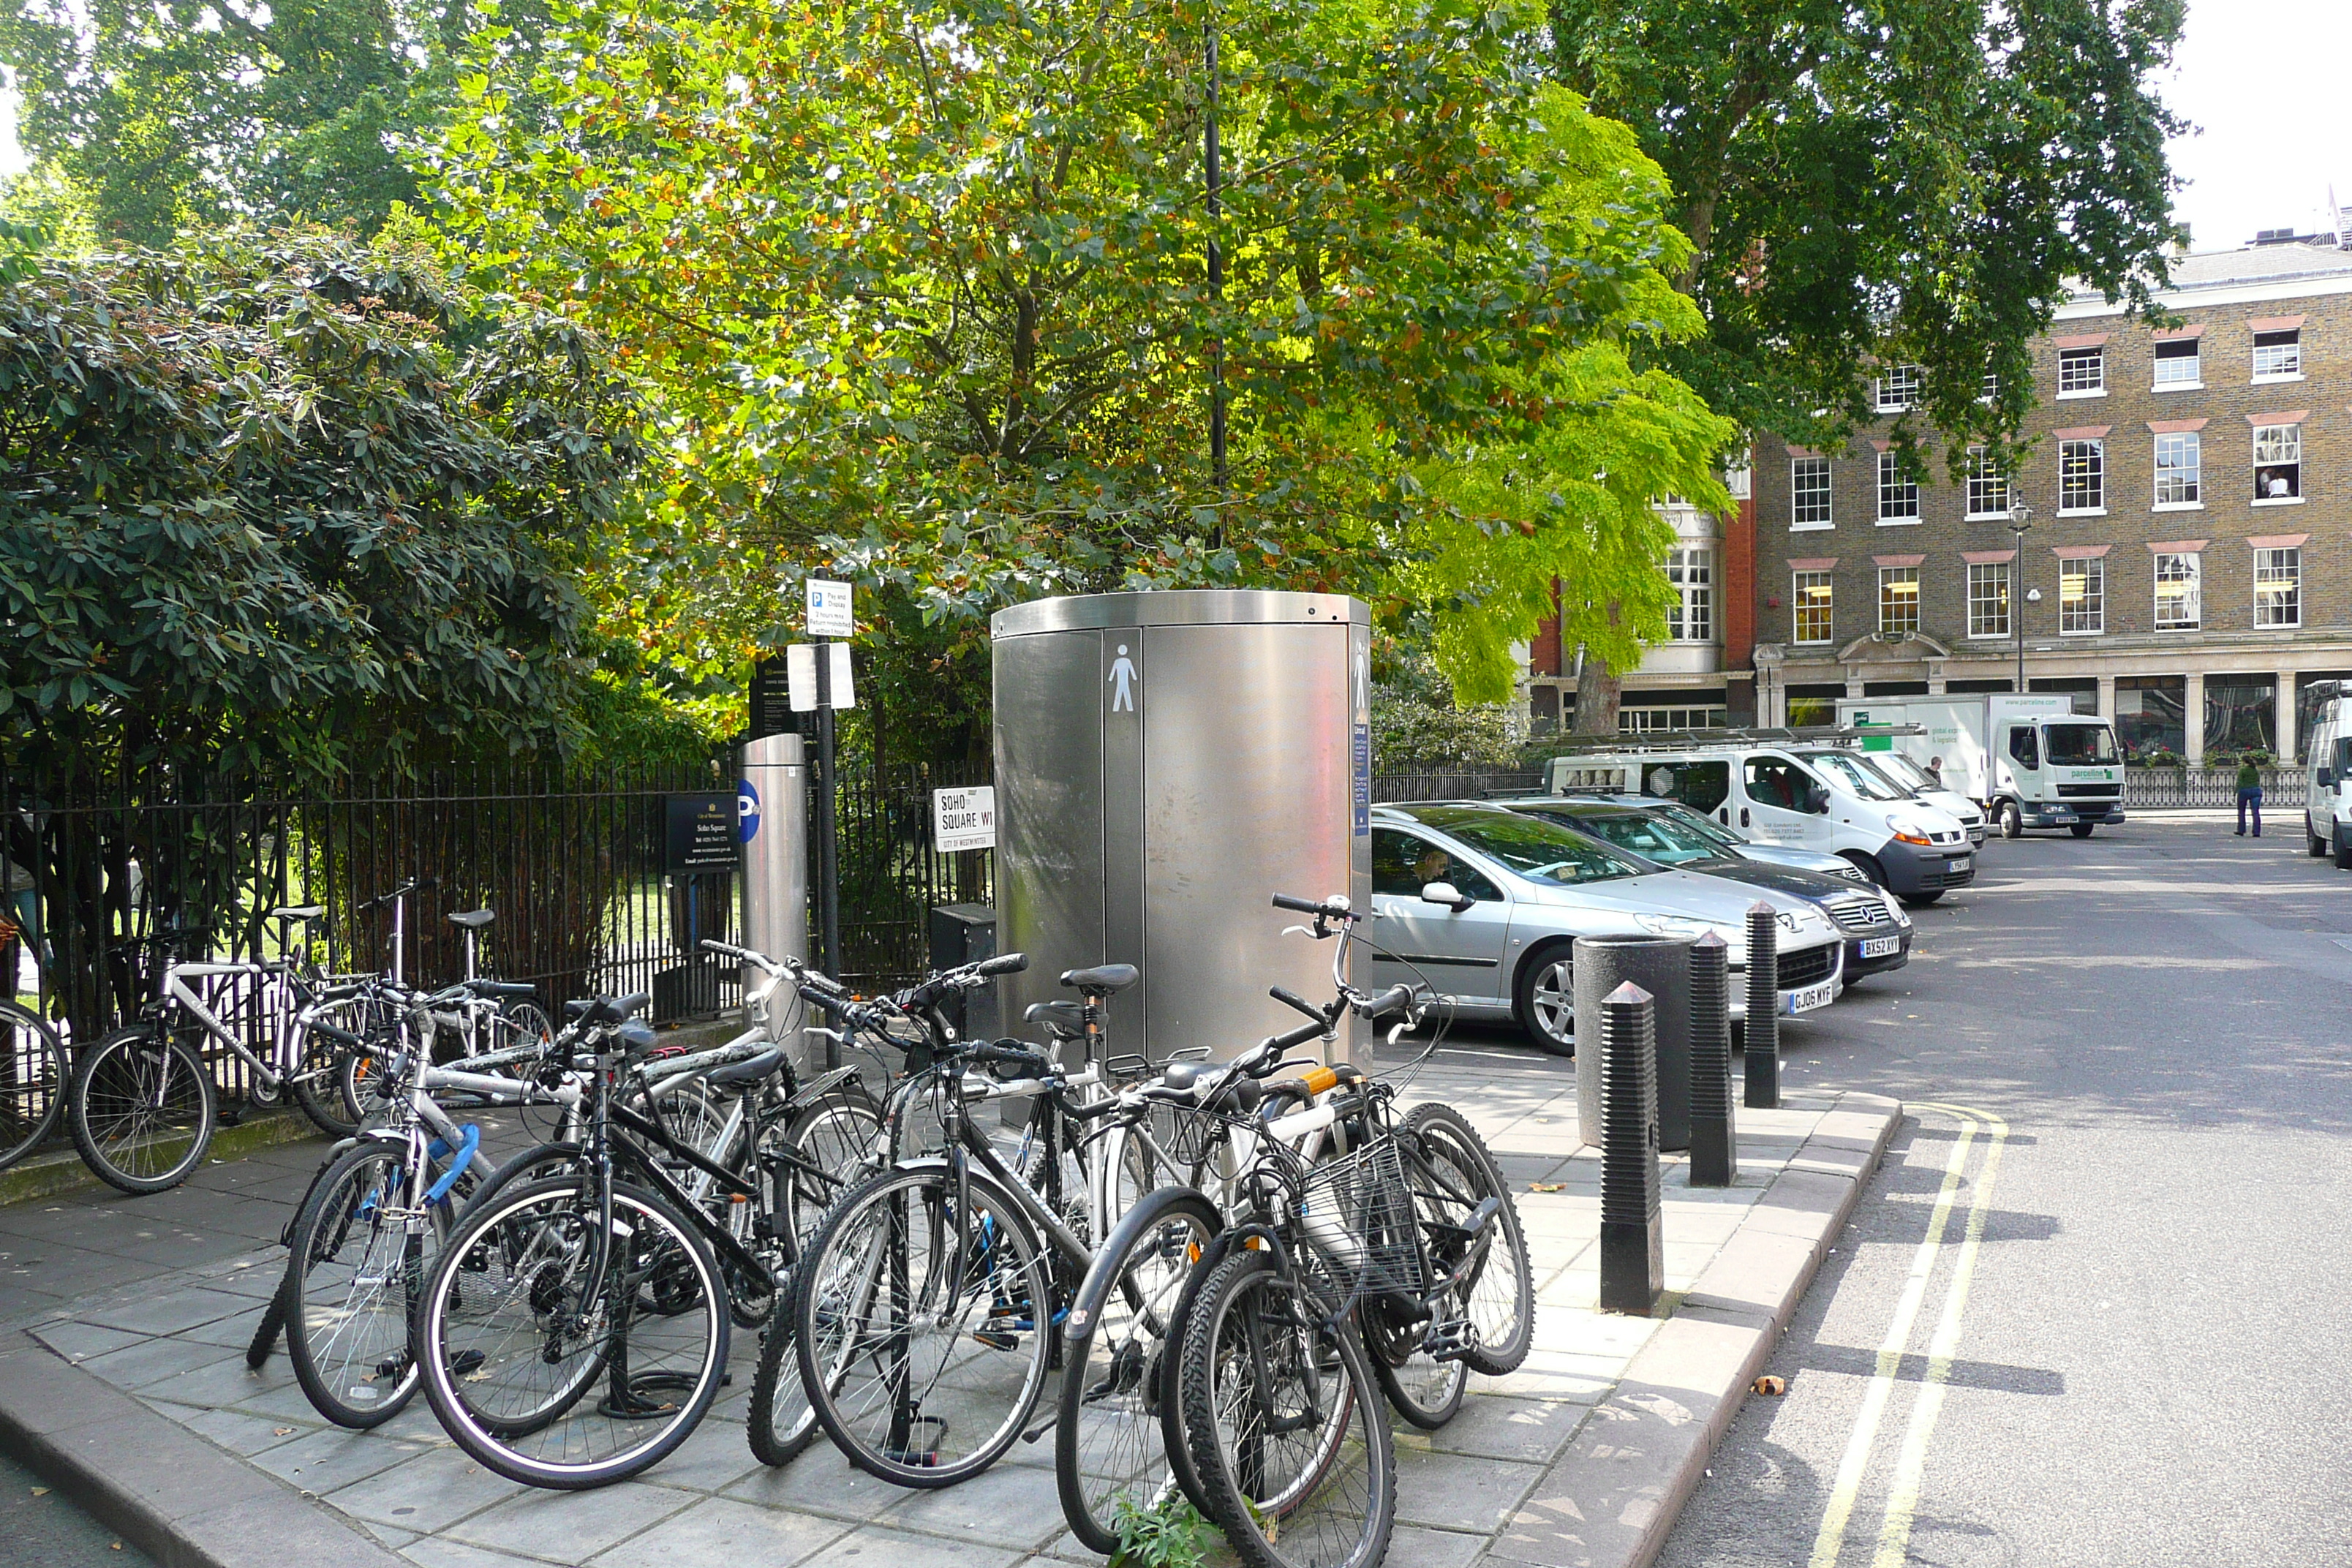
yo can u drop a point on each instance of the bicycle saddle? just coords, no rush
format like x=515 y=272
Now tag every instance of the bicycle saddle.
x=750 y=1070
x=1185 y=1075
x=474 y=919
x=1103 y=980
x=299 y=912
x=1061 y=1017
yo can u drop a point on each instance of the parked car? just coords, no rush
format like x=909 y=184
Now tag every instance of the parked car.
x=1482 y=903
x=1878 y=934
x=1731 y=841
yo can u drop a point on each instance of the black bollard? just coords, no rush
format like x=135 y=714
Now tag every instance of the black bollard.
x=1660 y=966
x=1762 y=1050
x=1714 y=1125
x=1632 y=1239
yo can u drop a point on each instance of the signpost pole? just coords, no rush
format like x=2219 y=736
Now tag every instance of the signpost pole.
x=828 y=867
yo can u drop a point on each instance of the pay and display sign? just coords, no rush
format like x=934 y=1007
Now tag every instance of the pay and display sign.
x=964 y=818
x=828 y=609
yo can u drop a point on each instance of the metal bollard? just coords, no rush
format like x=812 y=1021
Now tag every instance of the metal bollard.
x=1762 y=1055
x=1714 y=1124
x=1660 y=966
x=1632 y=1239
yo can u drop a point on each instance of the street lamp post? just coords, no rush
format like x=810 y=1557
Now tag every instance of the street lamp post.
x=2020 y=518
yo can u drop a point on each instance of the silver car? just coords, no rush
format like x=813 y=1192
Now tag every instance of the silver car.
x=1482 y=904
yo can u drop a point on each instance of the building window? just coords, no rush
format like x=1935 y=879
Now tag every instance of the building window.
x=1641 y=721
x=1987 y=486
x=1989 y=599
x=1898 y=389
x=1809 y=493
x=1811 y=595
x=1898 y=493
x=2082 y=597
x=2179 y=458
x=2081 y=476
x=2278 y=462
x=2081 y=372
x=1691 y=617
x=2278 y=356
x=2278 y=587
x=1898 y=601
x=2176 y=363
x=2178 y=605
x=1991 y=387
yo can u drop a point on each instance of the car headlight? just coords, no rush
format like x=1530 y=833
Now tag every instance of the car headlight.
x=1687 y=926
x=1894 y=906
x=1852 y=873
x=1907 y=831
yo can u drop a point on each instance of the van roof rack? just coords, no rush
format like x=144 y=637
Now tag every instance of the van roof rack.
x=1705 y=740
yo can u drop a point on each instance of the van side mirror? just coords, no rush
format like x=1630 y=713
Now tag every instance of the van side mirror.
x=1445 y=893
x=2326 y=779
x=1817 y=799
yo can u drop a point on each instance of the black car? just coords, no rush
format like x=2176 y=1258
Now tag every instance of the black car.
x=1878 y=932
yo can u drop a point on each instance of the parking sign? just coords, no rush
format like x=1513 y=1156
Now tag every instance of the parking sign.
x=828 y=609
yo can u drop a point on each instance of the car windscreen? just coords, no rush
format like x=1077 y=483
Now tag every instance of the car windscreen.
x=1903 y=770
x=1699 y=822
x=1540 y=849
x=1652 y=836
x=1855 y=776
x=2080 y=745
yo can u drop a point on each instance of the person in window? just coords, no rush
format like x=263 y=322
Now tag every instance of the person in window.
x=1434 y=865
x=2273 y=484
x=2249 y=795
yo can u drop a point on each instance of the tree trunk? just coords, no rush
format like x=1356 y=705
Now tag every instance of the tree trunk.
x=1596 y=690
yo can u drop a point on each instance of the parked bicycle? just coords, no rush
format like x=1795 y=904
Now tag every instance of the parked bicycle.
x=33 y=1070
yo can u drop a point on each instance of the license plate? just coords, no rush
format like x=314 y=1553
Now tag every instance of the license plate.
x=1795 y=1002
x=2063 y=813
x=1880 y=946
x=1952 y=866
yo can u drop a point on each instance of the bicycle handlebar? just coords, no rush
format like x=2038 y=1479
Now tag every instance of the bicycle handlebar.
x=1030 y=1062
x=1336 y=907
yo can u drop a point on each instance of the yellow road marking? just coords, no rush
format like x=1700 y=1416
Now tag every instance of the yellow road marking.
x=1911 y=1462
x=1831 y=1539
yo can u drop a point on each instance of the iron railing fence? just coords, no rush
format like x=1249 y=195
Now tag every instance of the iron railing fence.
x=1458 y=784
x=2156 y=787
x=891 y=872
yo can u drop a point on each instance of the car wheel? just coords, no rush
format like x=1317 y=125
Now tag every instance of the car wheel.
x=2013 y=821
x=2342 y=850
x=1921 y=901
x=1545 y=1000
x=2312 y=844
x=1867 y=865
x=2081 y=829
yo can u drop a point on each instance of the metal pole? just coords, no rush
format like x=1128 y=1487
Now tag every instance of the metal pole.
x=828 y=868
x=1761 y=1058
x=1216 y=273
x=1632 y=1239
x=2020 y=518
x=1714 y=1124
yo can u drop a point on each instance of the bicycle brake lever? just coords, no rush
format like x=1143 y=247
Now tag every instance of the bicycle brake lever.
x=1298 y=931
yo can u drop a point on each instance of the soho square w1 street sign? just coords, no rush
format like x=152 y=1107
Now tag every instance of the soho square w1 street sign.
x=700 y=834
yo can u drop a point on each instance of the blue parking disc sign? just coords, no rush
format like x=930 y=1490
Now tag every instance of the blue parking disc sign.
x=747 y=809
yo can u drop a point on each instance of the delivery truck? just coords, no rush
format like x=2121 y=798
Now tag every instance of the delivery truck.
x=2030 y=762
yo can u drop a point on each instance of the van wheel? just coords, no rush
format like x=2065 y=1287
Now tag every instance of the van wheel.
x=2342 y=850
x=1544 y=999
x=1867 y=865
x=2013 y=821
x=2081 y=829
x=1921 y=901
x=2312 y=844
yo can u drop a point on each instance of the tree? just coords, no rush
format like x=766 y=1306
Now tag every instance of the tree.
x=1888 y=182
x=923 y=289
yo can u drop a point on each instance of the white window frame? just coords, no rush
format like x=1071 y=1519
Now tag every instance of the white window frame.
x=1984 y=483
x=1801 y=584
x=2082 y=472
x=2194 y=359
x=2085 y=615
x=2081 y=384
x=2280 y=571
x=1893 y=576
x=2285 y=359
x=1660 y=721
x=1897 y=489
x=2278 y=447
x=1691 y=569
x=1988 y=584
x=2184 y=473
x=1989 y=390
x=2183 y=566
x=1800 y=470
x=1896 y=390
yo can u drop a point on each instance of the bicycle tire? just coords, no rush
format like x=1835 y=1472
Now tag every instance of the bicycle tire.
x=1333 y=1502
x=539 y=1216
x=1119 y=1364
x=115 y=1131
x=343 y=1340
x=33 y=1082
x=840 y=1281
x=535 y=1164
x=266 y=1331
x=782 y=1422
x=1500 y=1302
x=319 y=1066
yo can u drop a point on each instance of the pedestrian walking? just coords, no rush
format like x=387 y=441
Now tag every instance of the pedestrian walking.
x=2250 y=796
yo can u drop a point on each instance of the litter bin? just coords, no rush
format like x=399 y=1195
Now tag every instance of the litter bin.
x=959 y=934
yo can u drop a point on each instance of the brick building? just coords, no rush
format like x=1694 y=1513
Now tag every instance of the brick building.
x=2189 y=546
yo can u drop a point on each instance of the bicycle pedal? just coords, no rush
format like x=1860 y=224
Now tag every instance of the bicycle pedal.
x=1450 y=1339
x=997 y=1339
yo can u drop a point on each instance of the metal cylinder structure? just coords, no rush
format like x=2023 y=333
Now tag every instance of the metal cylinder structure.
x=1760 y=1052
x=1632 y=1233
x=772 y=809
x=1165 y=763
x=1714 y=1127
x=1660 y=965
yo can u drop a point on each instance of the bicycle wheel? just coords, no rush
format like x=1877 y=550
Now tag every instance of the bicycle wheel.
x=782 y=1421
x=141 y=1110
x=923 y=1323
x=1452 y=1172
x=1286 y=1430
x=321 y=1065
x=840 y=1132
x=272 y=1324
x=350 y=1280
x=552 y=1371
x=1120 y=1365
x=32 y=1081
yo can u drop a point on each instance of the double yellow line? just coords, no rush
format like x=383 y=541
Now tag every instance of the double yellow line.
x=1911 y=1458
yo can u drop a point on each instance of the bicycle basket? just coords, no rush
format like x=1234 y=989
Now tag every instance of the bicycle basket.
x=1357 y=1215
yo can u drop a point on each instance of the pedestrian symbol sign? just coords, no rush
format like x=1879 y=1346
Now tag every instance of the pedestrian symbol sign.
x=1121 y=679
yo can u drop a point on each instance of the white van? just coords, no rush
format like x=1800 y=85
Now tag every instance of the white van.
x=1813 y=796
x=2328 y=814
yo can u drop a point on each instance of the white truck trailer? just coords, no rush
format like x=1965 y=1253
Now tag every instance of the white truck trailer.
x=2031 y=762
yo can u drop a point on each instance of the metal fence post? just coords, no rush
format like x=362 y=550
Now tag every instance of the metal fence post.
x=1715 y=1133
x=1762 y=1054
x=1632 y=1239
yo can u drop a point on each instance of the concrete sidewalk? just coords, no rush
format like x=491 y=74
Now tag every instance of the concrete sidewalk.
x=1581 y=1457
